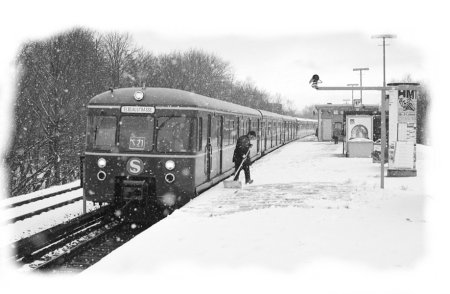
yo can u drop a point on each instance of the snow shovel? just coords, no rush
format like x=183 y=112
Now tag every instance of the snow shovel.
x=235 y=184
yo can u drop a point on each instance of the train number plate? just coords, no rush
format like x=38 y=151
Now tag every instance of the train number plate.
x=137 y=143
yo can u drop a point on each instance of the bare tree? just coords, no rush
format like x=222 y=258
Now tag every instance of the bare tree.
x=144 y=68
x=308 y=112
x=58 y=76
x=118 y=52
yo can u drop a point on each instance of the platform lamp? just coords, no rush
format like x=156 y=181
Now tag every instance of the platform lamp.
x=360 y=77
x=352 y=85
x=383 y=103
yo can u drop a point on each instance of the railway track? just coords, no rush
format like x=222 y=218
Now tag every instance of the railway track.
x=39 y=198
x=45 y=209
x=92 y=250
x=25 y=215
x=79 y=243
x=37 y=245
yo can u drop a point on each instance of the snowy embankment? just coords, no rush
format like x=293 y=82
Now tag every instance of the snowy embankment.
x=11 y=232
x=307 y=203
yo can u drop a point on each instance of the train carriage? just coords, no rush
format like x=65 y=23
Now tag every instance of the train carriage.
x=166 y=146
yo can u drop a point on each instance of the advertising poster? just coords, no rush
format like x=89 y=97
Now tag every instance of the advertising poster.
x=407 y=105
x=402 y=132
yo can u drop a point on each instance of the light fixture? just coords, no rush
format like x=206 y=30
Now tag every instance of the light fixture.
x=170 y=165
x=101 y=162
x=138 y=95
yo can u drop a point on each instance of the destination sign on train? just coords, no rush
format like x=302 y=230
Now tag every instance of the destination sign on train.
x=138 y=109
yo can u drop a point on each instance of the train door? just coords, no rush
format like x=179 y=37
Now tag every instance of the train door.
x=220 y=143
x=281 y=132
x=215 y=146
x=238 y=124
x=263 y=136
x=275 y=134
x=269 y=133
x=258 y=138
x=208 y=149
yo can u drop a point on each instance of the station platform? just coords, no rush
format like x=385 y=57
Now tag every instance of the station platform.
x=308 y=203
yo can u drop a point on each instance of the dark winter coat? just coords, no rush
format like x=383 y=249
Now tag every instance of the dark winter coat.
x=336 y=133
x=242 y=146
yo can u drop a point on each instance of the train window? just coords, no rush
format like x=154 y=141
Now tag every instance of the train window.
x=215 y=132
x=136 y=133
x=233 y=132
x=174 y=134
x=226 y=132
x=220 y=132
x=205 y=133
x=104 y=132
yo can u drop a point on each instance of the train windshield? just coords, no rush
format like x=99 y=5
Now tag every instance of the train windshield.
x=103 y=129
x=136 y=133
x=176 y=134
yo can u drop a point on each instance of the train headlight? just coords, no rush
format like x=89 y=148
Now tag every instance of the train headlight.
x=138 y=95
x=170 y=165
x=101 y=162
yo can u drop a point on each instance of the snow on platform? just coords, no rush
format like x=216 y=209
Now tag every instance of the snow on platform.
x=308 y=203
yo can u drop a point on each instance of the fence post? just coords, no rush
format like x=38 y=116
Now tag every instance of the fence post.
x=82 y=181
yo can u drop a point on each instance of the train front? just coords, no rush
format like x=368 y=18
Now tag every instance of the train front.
x=136 y=152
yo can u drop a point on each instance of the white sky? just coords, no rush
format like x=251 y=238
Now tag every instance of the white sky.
x=284 y=63
x=278 y=45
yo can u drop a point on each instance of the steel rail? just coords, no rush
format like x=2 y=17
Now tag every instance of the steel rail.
x=25 y=248
x=39 y=211
x=83 y=242
x=20 y=203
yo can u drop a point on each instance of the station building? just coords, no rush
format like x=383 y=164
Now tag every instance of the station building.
x=332 y=116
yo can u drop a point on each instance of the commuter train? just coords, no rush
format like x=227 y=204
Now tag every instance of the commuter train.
x=166 y=146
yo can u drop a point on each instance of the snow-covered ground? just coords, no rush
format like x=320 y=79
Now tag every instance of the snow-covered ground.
x=311 y=220
x=307 y=203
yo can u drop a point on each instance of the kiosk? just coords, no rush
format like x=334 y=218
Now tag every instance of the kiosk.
x=359 y=136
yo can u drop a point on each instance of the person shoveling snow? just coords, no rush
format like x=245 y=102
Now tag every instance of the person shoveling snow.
x=241 y=159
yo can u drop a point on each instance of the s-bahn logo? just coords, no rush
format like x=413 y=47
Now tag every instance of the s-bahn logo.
x=135 y=166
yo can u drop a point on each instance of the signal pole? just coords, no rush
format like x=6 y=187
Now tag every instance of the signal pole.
x=352 y=85
x=360 y=77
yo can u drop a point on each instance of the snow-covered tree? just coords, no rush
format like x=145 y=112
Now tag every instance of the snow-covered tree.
x=58 y=76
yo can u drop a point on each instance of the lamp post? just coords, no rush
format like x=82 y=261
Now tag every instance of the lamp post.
x=360 y=77
x=352 y=85
x=383 y=104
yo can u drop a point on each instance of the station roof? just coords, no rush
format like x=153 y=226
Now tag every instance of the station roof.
x=346 y=106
